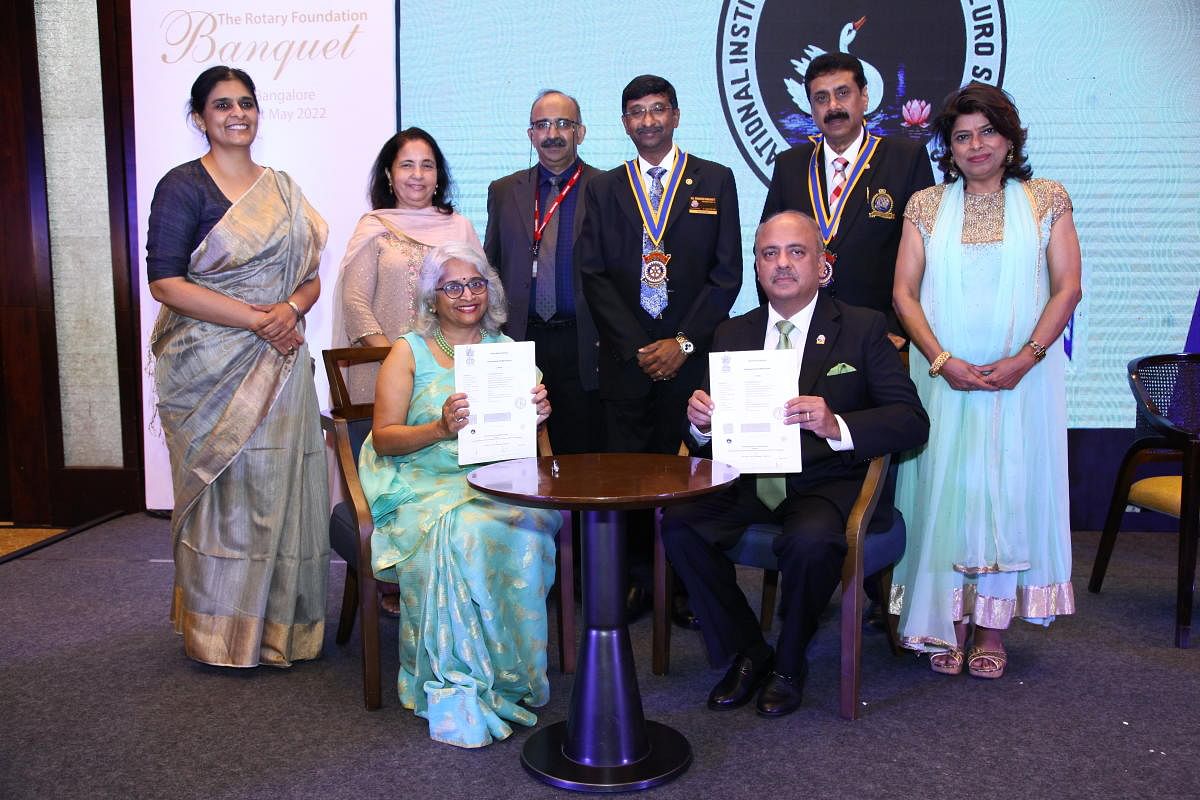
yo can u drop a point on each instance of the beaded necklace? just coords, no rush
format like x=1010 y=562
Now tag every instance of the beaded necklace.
x=445 y=347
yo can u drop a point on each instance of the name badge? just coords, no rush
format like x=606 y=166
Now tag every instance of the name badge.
x=702 y=205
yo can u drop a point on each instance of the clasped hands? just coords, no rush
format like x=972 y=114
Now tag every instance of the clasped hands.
x=456 y=411
x=808 y=411
x=660 y=360
x=1005 y=373
x=277 y=326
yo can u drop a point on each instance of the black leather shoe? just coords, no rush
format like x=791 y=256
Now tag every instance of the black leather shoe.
x=780 y=695
x=740 y=682
x=637 y=601
x=682 y=614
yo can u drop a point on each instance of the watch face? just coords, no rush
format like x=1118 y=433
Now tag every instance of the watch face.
x=687 y=346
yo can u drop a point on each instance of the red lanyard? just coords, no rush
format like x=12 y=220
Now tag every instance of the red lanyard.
x=538 y=227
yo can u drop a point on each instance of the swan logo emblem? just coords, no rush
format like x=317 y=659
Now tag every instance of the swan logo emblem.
x=913 y=55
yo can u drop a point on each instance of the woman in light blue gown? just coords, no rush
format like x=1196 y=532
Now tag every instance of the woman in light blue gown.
x=987 y=277
x=473 y=572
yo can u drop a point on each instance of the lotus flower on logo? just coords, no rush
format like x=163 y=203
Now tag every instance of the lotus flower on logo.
x=915 y=113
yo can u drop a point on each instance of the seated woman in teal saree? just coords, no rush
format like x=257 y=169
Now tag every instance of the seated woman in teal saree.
x=232 y=254
x=473 y=572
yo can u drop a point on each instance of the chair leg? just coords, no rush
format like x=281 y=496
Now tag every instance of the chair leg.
x=853 y=600
x=891 y=623
x=368 y=604
x=1189 y=529
x=661 y=647
x=349 y=607
x=769 y=593
x=1112 y=522
x=566 y=594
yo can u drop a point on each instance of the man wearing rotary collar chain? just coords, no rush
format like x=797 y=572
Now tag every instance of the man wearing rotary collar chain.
x=660 y=256
x=854 y=183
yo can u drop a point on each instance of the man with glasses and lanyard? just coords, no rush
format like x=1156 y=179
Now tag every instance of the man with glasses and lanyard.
x=534 y=217
x=661 y=260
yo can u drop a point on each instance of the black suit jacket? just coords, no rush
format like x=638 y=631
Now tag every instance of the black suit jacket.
x=507 y=243
x=865 y=245
x=877 y=400
x=703 y=275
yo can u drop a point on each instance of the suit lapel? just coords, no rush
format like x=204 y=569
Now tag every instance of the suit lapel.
x=580 y=206
x=523 y=188
x=857 y=200
x=683 y=190
x=822 y=339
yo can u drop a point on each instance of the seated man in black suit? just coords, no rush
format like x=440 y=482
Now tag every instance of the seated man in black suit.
x=854 y=401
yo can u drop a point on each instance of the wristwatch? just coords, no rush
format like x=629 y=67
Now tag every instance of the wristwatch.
x=685 y=344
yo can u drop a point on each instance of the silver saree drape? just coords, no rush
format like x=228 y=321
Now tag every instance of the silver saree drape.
x=241 y=421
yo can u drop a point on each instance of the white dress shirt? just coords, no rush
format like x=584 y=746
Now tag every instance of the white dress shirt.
x=668 y=163
x=850 y=154
x=802 y=320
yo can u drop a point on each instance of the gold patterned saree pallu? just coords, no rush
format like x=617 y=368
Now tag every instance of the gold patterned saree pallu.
x=241 y=422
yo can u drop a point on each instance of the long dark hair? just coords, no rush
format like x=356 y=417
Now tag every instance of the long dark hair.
x=380 y=188
x=207 y=80
x=998 y=107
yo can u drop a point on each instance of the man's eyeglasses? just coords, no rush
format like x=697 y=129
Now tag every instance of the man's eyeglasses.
x=454 y=289
x=546 y=124
x=656 y=110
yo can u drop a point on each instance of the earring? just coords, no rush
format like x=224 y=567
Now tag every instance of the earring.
x=952 y=173
x=1008 y=159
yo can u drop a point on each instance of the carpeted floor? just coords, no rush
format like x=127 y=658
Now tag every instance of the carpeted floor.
x=97 y=701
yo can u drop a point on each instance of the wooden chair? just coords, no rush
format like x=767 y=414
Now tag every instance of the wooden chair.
x=866 y=555
x=1166 y=389
x=351 y=526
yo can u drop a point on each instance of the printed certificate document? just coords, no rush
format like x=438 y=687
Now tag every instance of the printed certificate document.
x=749 y=389
x=497 y=378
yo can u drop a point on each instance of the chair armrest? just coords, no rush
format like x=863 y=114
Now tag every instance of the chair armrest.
x=348 y=468
x=860 y=515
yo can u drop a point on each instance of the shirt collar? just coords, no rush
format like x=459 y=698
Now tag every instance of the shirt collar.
x=544 y=174
x=850 y=154
x=802 y=319
x=668 y=162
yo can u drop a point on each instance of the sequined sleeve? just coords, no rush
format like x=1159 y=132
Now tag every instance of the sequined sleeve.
x=1051 y=198
x=922 y=207
x=358 y=293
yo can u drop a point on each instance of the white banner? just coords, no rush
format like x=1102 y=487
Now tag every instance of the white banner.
x=325 y=74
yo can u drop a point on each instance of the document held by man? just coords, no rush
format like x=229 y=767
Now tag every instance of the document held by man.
x=497 y=379
x=749 y=389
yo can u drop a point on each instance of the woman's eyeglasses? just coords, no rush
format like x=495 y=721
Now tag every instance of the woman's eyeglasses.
x=455 y=289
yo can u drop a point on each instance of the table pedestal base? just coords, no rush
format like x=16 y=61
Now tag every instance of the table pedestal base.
x=669 y=756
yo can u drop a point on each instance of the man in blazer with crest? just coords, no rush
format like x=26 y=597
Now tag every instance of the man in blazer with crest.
x=854 y=183
x=661 y=261
x=854 y=401
x=563 y=331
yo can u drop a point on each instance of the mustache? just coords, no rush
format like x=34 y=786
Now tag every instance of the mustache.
x=784 y=273
x=557 y=141
x=836 y=115
x=649 y=129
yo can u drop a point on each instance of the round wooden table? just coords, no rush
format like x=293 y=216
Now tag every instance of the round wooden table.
x=605 y=744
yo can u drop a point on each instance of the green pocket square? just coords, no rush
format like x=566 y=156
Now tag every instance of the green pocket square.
x=841 y=369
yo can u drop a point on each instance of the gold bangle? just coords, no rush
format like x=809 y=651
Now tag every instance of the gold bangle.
x=296 y=308
x=1039 y=352
x=936 y=367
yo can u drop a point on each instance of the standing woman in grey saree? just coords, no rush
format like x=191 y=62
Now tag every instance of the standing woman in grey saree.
x=232 y=254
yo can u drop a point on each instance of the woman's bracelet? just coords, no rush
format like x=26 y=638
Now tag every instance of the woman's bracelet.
x=296 y=308
x=1039 y=352
x=936 y=367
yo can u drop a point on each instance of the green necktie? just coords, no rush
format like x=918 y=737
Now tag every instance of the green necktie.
x=772 y=489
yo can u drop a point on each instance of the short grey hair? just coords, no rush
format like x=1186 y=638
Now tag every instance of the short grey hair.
x=431 y=271
x=545 y=92
x=805 y=218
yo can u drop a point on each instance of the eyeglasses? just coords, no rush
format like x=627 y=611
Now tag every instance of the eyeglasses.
x=656 y=110
x=454 y=289
x=559 y=123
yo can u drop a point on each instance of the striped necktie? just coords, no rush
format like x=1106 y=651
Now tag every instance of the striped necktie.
x=772 y=489
x=839 y=179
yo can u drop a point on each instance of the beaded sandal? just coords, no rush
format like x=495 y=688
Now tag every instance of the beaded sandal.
x=986 y=663
x=950 y=663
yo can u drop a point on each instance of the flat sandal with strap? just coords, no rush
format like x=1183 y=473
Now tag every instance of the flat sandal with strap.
x=988 y=664
x=952 y=663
